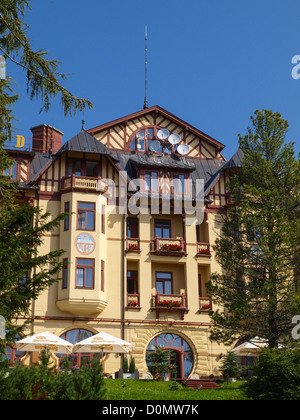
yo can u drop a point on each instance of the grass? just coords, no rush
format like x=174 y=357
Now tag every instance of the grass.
x=154 y=390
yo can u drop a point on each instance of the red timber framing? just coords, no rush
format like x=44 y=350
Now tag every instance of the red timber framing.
x=119 y=133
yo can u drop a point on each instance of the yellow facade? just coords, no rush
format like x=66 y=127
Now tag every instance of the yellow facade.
x=102 y=301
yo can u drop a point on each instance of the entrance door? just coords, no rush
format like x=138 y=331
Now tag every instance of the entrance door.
x=175 y=365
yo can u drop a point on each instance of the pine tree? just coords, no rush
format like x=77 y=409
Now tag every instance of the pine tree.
x=24 y=273
x=257 y=293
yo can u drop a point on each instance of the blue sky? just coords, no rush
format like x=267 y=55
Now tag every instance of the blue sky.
x=210 y=62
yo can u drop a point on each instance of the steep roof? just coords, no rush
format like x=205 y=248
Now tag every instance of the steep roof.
x=85 y=143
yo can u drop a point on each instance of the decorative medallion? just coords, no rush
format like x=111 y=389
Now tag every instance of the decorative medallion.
x=85 y=243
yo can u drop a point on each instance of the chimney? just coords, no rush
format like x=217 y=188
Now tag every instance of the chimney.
x=46 y=139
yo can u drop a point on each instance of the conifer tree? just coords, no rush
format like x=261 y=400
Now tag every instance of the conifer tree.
x=24 y=272
x=257 y=293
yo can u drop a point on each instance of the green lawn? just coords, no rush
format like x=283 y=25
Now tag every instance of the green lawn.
x=154 y=390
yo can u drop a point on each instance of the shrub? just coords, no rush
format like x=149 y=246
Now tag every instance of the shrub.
x=132 y=365
x=125 y=364
x=230 y=367
x=158 y=362
x=41 y=381
x=276 y=375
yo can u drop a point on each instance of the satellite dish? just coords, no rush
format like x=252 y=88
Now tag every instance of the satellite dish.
x=163 y=134
x=154 y=146
x=174 y=138
x=183 y=149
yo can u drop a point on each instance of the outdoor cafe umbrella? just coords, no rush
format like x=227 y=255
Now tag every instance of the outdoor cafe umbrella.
x=45 y=340
x=104 y=343
x=251 y=347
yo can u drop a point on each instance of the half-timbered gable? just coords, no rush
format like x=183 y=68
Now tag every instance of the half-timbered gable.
x=121 y=134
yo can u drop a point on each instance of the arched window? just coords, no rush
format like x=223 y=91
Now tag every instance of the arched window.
x=182 y=353
x=142 y=140
x=73 y=336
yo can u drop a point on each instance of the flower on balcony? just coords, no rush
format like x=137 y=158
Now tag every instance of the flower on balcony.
x=204 y=251
x=133 y=303
x=170 y=303
x=206 y=306
x=133 y=247
x=171 y=247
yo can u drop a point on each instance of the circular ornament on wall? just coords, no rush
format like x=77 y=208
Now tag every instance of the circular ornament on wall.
x=85 y=243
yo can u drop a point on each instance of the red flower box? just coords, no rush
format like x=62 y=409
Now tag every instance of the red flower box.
x=133 y=247
x=204 y=251
x=170 y=304
x=169 y=247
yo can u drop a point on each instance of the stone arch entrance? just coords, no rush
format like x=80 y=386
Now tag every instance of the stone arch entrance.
x=183 y=358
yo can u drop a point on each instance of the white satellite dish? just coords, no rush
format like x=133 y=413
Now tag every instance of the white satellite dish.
x=174 y=138
x=163 y=134
x=154 y=146
x=183 y=149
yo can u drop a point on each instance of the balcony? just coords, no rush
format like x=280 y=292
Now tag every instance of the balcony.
x=170 y=303
x=82 y=183
x=205 y=304
x=203 y=249
x=133 y=245
x=133 y=301
x=168 y=246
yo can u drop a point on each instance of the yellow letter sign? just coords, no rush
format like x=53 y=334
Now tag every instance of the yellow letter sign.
x=20 y=141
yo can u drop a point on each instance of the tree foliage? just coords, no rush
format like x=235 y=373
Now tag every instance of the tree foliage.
x=276 y=376
x=44 y=80
x=42 y=381
x=257 y=293
x=24 y=271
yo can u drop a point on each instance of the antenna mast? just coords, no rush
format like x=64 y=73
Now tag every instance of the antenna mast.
x=146 y=65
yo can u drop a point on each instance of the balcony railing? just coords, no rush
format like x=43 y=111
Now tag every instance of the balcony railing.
x=133 y=245
x=203 y=249
x=205 y=304
x=169 y=302
x=82 y=182
x=133 y=301
x=168 y=246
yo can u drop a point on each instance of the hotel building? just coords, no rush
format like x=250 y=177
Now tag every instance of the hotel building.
x=137 y=275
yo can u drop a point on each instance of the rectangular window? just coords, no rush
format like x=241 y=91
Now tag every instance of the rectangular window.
x=75 y=167
x=132 y=282
x=67 y=219
x=151 y=181
x=164 y=283
x=12 y=171
x=178 y=184
x=86 y=216
x=102 y=275
x=91 y=169
x=132 y=228
x=85 y=273
x=103 y=218
x=162 y=228
x=65 y=273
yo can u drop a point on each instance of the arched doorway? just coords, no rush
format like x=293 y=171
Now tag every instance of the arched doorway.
x=182 y=359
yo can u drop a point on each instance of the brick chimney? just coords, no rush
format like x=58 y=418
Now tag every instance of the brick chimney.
x=46 y=138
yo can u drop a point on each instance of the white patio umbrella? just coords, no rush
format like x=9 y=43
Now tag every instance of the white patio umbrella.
x=251 y=347
x=46 y=339
x=104 y=343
